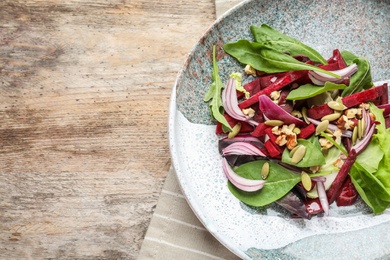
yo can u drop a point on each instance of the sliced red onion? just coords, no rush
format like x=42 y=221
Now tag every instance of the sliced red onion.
x=240 y=182
x=362 y=144
x=242 y=138
x=367 y=120
x=242 y=148
x=322 y=196
x=319 y=179
x=332 y=127
x=320 y=78
x=273 y=111
x=230 y=103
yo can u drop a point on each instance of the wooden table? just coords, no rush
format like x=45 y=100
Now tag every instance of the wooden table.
x=84 y=93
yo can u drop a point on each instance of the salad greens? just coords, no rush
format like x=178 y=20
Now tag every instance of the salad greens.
x=316 y=131
x=281 y=42
x=362 y=78
x=279 y=182
x=214 y=94
x=309 y=90
x=268 y=60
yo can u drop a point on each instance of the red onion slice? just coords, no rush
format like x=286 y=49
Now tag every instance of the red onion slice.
x=230 y=103
x=320 y=78
x=240 y=182
x=274 y=112
x=360 y=146
x=322 y=196
x=242 y=148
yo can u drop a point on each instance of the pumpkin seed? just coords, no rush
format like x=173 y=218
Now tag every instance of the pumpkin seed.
x=331 y=117
x=354 y=135
x=296 y=130
x=265 y=170
x=335 y=105
x=304 y=115
x=274 y=122
x=359 y=129
x=236 y=130
x=298 y=154
x=306 y=181
x=294 y=150
x=321 y=127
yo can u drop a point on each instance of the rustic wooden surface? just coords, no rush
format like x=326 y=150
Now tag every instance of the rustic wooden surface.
x=84 y=93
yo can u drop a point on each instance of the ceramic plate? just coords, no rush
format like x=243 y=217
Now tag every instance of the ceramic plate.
x=360 y=26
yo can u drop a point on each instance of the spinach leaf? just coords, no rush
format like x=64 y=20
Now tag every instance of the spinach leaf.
x=309 y=90
x=348 y=57
x=278 y=183
x=283 y=43
x=313 y=155
x=265 y=59
x=214 y=93
x=361 y=79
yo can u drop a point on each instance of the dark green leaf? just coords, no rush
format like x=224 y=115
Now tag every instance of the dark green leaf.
x=309 y=90
x=361 y=79
x=278 y=183
x=267 y=60
x=283 y=43
x=348 y=57
x=313 y=155
x=214 y=93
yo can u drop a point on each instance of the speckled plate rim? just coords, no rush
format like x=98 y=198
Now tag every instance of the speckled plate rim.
x=171 y=132
x=171 y=136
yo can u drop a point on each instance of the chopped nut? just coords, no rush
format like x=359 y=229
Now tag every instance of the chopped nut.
x=337 y=134
x=351 y=113
x=275 y=95
x=291 y=141
x=250 y=70
x=281 y=140
x=276 y=130
x=249 y=112
x=338 y=163
x=325 y=143
x=365 y=106
x=344 y=123
x=372 y=116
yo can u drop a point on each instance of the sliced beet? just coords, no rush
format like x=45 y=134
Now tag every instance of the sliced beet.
x=348 y=194
x=307 y=131
x=338 y=182
x=280 y=83
x=372 y=94
x=245 y=127
x=260 y=130
x=272 y=149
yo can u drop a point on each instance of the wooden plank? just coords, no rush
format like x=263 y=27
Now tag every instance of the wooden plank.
x=84 y=95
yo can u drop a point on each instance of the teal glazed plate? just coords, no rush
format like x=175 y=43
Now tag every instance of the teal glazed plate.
x=359 y=26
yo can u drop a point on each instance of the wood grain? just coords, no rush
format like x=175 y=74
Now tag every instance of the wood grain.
x=84 y=93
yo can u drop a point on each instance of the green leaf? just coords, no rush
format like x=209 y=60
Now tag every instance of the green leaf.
x=370 y=189
x=361 y=79
x=313 y=155
x=348 y=57
x=214 y=94
x=283 y=43
x=309 y=90
x=371 y=171
x=264 y=59
x=278 y=183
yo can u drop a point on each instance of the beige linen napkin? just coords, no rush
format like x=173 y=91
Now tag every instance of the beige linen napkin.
x=174 y=231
